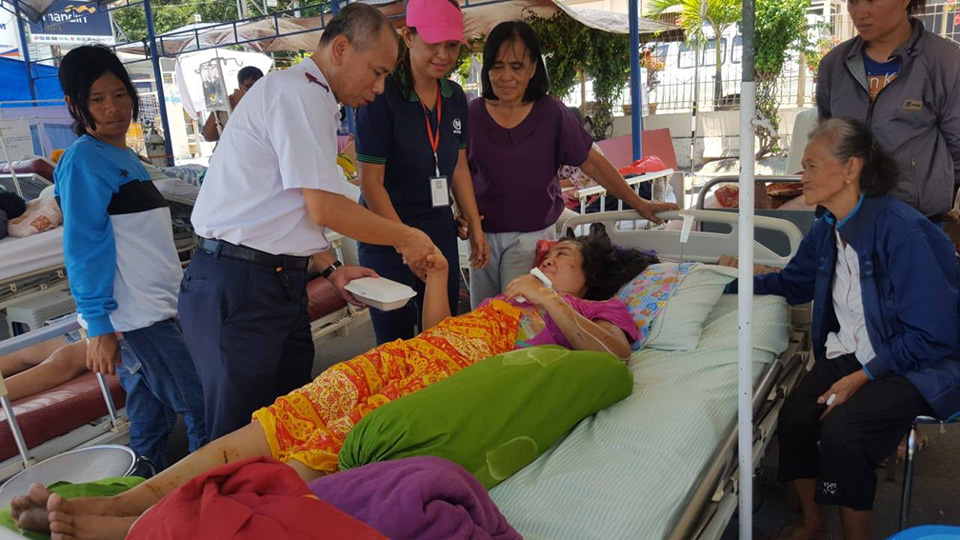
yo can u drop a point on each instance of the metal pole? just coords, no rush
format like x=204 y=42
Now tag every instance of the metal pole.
x=24 y=49
x=748 y=107
x=15 y=428
x=636 y=98
x=158 y=77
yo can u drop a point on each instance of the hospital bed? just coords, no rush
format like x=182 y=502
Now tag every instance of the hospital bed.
x=34 y=265
x=83 y=412
x=662 y=463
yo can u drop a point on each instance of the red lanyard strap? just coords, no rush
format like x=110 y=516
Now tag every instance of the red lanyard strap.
x=434 y=138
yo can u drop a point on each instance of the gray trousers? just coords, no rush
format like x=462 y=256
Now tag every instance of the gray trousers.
x=512 y=255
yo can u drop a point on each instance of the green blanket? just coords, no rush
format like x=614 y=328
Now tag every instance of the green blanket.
x=101 y=488
x=495 y=417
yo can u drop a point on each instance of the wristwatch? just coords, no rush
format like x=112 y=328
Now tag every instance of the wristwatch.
x=331 y=269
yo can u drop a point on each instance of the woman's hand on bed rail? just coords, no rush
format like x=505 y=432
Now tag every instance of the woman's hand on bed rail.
x=103 y=354
x=650 y=209
x=843 y=389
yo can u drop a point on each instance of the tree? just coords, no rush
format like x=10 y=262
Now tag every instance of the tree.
x=572 y=48
x=781 y=28
x=169 y=15
x=720 y=15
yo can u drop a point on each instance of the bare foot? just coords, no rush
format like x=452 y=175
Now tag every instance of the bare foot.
x=66 y=524
x=30 y=510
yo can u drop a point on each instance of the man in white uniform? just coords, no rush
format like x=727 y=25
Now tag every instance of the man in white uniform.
x=271 y=192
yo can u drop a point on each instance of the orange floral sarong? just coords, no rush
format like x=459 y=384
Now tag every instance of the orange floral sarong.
x=311 y=423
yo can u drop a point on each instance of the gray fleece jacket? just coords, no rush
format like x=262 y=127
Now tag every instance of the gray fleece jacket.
x=916 y=117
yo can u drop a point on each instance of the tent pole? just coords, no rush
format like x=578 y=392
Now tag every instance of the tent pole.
x=636 y=98
x=158 y=77
x=25 y=50
x=748 y=107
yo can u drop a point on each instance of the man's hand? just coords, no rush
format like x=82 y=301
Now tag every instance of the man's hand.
x=843 y=389
x=344 y=275
x=103 y=354
x=416 y=247
x=649 y=210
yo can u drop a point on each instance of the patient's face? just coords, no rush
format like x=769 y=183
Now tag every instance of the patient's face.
x=824 y=177
x=564 y=266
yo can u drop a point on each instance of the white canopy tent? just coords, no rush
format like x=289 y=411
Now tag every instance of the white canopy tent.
x=275 y=34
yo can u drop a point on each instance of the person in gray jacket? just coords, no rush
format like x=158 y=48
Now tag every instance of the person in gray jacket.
x=904 y=82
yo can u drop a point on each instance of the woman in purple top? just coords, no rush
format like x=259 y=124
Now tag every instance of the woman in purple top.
x=518 y=138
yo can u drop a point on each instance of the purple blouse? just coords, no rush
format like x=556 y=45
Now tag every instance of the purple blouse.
x=515 y=170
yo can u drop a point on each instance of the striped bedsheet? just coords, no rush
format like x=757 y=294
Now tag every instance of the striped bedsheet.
x=628 y=471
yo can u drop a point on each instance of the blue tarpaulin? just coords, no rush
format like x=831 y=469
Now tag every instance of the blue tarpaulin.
x=14 y=85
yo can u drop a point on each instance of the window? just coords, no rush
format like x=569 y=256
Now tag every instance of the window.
x=736 y=55
x=686 y=58
x=710 y=52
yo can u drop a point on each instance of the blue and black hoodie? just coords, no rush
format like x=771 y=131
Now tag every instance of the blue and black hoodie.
x=118 y=243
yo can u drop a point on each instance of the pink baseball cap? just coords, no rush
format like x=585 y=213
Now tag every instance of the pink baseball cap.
x=436 y=21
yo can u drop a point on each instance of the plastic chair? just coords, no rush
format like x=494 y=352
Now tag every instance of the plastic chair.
x=907 y=491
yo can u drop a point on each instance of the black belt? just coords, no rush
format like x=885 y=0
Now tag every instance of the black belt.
x=241 y=253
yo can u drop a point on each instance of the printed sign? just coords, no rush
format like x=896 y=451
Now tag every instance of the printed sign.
x=9 y=37
x=16 y=139
x=73 y=22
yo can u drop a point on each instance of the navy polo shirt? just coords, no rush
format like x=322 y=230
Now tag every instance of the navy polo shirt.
x=392 y=131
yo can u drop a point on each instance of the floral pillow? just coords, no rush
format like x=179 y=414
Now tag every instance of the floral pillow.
x=648 y=293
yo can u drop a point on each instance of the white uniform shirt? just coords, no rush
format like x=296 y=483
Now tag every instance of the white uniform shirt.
x=848 y=306
x=282 y=137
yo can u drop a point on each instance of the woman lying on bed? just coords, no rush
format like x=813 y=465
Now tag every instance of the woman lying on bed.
x=307 y=427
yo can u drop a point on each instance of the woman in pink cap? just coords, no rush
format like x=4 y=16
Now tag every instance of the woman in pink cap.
x=411 y=146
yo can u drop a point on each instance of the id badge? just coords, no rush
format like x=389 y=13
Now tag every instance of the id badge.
x=439 y=193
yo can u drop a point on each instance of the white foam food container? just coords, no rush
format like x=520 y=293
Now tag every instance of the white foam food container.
x=381 y=293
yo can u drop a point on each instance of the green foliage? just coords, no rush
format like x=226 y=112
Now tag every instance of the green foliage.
x=719 y=14
x=172 y=14
x=781 y=28
x=572 y=48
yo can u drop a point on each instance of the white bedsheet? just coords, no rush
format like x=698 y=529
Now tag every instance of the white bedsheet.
x=628 y=471
x=21 y=256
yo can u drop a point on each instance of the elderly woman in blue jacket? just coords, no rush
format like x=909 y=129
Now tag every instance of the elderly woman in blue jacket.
x=884 y=281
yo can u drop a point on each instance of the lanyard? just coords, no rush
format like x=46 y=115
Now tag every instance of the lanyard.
x=434 y=139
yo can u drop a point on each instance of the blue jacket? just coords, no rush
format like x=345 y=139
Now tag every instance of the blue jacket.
x=909 y=279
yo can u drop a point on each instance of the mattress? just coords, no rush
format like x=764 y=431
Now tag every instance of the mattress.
x=57 y=411
x=629 y=470
x=23 y=256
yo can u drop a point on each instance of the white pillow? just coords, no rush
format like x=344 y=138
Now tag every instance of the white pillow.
x=679 y=324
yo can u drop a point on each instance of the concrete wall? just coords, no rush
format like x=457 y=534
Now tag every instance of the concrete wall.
x=717 y=136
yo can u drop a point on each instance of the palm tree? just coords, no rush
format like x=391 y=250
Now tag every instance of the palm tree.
x=694 y=15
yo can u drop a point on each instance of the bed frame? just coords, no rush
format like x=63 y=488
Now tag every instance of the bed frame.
x=112 y=428
x=712 y=502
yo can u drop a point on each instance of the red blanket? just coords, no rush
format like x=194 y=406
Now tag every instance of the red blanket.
x=255 y=499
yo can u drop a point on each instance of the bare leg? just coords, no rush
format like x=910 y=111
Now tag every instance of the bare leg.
x=13 y=363
x=856 y=523
x=246 y=442
x=62 y=366
x=813 y=527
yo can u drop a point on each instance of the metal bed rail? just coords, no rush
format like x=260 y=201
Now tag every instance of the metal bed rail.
x=730 y=179
x=59 y=328
x=633 y=181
